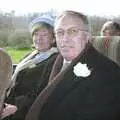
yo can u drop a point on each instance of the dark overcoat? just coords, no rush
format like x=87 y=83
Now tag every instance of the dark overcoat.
x=29 y=84
x=94 y=97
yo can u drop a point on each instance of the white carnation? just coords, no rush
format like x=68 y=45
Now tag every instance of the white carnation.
x=81 y=70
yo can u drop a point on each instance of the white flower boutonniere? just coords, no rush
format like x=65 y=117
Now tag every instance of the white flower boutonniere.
x=81 y=70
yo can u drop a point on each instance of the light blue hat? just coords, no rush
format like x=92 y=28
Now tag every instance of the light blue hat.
x=42 y=19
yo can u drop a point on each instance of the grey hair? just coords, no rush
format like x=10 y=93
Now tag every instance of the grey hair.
x=110 y=25
x=83 y=17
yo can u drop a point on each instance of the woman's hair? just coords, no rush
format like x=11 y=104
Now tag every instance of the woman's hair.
x=39 y=26
x=42 y=25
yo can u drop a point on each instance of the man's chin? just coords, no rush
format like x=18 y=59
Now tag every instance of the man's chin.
x=66 y=56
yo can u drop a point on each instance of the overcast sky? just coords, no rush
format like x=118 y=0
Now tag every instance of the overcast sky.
x=90 y=7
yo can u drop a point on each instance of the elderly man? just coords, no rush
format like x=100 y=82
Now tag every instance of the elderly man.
x=84 y=85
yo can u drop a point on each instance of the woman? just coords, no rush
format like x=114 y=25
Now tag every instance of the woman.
x=32 y=73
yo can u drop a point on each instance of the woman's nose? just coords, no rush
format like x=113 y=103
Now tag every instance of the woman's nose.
x=40 y=37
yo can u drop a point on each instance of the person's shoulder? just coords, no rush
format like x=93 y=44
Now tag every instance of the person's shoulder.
x=109 y=67
x=26 y=55
x=50 y=60
x=54 y=55
x=104 y=61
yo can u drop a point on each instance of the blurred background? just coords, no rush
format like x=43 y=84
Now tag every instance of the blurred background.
x=15 y=17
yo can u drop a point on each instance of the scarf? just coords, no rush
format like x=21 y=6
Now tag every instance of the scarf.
x=30 y=62
x=35 y=109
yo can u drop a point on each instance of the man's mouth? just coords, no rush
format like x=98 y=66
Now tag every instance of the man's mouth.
x=65 y=46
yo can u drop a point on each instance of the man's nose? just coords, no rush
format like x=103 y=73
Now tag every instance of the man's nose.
x=65 y=36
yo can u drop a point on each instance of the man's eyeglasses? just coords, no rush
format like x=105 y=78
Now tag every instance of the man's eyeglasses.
x=71 y=32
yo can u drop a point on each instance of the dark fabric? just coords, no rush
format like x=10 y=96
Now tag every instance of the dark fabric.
x=30 y=83
x=53 y=82
x=42 y=98
x=96 y=97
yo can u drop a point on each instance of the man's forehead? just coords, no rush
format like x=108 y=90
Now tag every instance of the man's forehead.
x=68 y=21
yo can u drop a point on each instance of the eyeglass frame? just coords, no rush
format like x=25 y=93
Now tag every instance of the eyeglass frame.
x=69 y=32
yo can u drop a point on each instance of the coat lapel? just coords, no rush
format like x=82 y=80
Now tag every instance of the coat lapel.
x=56 y=67
x=68 y=81
x=61 y=83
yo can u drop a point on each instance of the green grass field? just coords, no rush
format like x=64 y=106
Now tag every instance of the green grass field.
x=16 y=55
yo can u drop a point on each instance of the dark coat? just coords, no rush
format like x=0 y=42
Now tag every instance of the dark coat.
x=30 y=83
x=96 y=97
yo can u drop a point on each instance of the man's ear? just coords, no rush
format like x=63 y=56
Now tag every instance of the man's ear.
x=87 y=36
x=53 y=40
x=53 y=43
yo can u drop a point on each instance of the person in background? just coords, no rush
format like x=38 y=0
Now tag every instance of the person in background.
x=5 y=78
x=109 y=28
x=32 y=73
x=8 y=110
x=84 y=84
